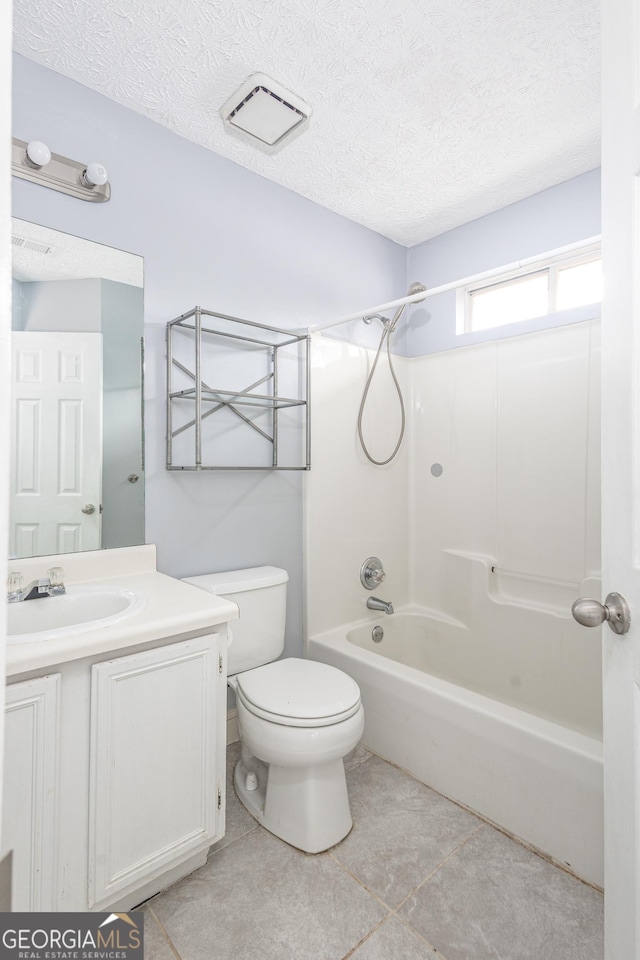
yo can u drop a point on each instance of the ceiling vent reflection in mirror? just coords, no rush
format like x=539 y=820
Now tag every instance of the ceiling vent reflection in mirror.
x=266 y=111
x=34 y=161
x=33 y=245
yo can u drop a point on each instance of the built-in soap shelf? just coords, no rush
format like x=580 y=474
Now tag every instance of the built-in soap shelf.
x=483 y=577
x=531 y=591
x=237 y=395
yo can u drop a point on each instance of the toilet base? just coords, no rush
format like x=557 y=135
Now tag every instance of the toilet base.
x=307 y=807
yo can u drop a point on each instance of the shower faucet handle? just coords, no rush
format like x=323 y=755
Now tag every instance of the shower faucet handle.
x=372 y=573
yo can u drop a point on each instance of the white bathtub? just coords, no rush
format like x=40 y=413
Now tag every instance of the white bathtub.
x=532 y=775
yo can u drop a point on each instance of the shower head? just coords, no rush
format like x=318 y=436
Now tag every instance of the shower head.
x=416 y=288
x=413 y=289
x=376 y=316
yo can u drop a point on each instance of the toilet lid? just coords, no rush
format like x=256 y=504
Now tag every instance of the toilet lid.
x=299 y=693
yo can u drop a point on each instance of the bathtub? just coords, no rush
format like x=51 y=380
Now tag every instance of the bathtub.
x=524 y=769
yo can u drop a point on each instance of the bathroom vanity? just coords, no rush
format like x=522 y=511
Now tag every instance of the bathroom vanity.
x=114 y=780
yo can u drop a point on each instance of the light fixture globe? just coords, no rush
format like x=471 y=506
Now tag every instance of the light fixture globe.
x=37 y=154
x=95 y=174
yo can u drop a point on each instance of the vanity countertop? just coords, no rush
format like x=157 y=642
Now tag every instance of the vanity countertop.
x=171 y=607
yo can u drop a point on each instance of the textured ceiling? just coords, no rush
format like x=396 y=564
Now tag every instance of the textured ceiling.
x=426 y=113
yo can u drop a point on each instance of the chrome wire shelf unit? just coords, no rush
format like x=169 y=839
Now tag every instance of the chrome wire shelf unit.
x=271 y=431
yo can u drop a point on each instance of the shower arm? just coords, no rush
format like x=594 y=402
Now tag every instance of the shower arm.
x=454 y=285
x=412 y=298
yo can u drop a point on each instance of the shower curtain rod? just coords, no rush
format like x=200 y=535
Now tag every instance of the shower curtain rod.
x=446 y=287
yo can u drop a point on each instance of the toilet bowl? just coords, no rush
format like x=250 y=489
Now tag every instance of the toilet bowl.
x=297 y=719
x=290 y=775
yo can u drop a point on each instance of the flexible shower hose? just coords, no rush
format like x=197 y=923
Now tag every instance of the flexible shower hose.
x=381 y=463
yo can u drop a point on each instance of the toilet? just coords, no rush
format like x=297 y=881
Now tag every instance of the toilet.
x=297 y=719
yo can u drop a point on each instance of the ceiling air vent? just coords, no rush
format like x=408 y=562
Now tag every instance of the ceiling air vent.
x=27 y=244
x=265 y=110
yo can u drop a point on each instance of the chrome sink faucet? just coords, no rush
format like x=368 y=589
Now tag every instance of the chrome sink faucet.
x=50 y=586
x=374 y=604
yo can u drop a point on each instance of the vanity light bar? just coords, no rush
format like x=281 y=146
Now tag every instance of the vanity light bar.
x=35 y=162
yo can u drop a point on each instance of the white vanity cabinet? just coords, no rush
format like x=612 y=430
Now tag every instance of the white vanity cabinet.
x=29 y=790
x=115 y=773
x=154 y=790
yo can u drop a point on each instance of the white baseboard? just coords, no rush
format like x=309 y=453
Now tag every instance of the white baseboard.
x=232 y=726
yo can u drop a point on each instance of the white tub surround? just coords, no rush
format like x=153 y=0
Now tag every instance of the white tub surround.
x=169 y=607
x=500 y=461
x=515 y=425
x=529 y=774
x=487 y=525
x=353 y=510
x=115 y=738
x=529 y=653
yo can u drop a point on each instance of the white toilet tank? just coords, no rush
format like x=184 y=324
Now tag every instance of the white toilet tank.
x=261 y=595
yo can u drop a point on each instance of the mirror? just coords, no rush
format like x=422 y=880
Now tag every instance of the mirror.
x=77 y=448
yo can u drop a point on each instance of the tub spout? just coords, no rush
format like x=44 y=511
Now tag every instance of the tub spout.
x=374 y=604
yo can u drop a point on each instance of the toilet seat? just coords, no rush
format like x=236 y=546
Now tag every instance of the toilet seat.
x=298 y=693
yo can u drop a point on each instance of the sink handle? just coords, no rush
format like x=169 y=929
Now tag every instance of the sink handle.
x=56 y=580
x=15 y=583
x=56 y=576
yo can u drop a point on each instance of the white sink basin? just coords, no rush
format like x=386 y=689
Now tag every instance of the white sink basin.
x=78 y=610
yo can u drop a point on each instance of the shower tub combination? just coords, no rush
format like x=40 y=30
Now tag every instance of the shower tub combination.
x=459 y=716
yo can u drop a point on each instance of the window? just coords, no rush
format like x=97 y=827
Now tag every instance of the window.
x=579 y=284
x=541 y=288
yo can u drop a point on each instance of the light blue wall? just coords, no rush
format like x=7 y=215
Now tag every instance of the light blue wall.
x=214 y=234
x=561 y=215
x=56 y=305
x=17 y=304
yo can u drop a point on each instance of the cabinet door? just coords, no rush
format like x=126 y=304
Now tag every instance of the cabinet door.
x=154 y=782
x=29 y=790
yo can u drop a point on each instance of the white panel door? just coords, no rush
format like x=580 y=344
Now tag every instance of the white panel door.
x=621 y=470
x=154 y=784
x=29 y=790
x=56 y=451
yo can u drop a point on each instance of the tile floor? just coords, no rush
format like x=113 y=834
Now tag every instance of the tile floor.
x=418 y=878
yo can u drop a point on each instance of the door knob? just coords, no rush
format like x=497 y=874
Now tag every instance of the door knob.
x=88 y=508
x=615 y=610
